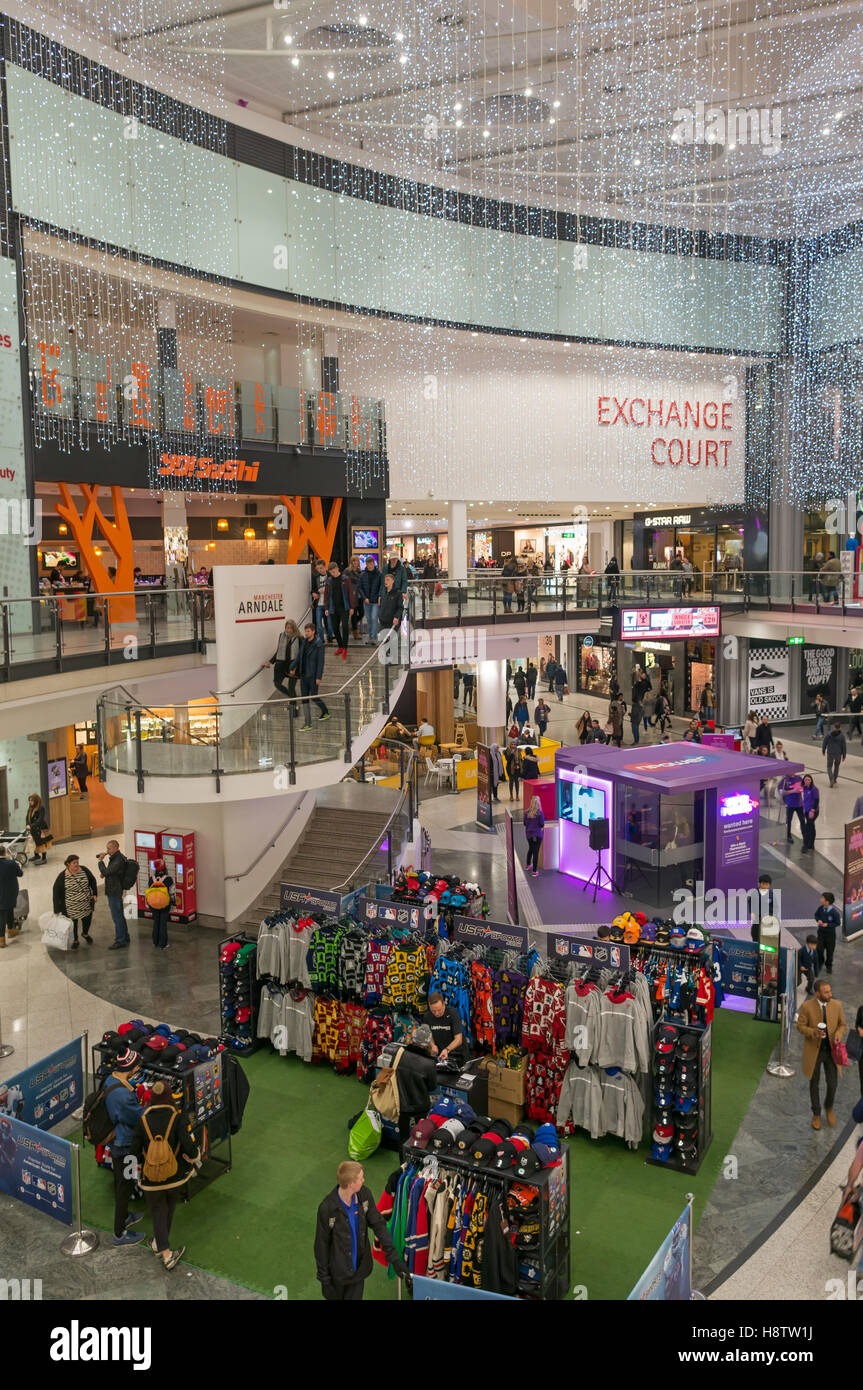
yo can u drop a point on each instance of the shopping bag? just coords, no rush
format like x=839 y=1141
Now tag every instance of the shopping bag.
x=22 y=907
x=130 y=906
x=845 y=1222
x=854 y=1045
x=56 y=931
x=365 y=1135
x=840 y=1054
x=438 y=590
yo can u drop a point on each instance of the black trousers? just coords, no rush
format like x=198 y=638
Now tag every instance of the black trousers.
x=533 y=853
x=122 y=1189
x=790 y=813
x=160 y=926
x=826 y=947
x=514 y=781
x=280 y=670
x=825 y=1060
x=808 y=833
x=833 y=765
x=7 y=920
x=809 y=972
x=340 y=618
x=85 y=925
x=345 y=1293
x=161 y=1206
x=309 y=688
x=860 y=1073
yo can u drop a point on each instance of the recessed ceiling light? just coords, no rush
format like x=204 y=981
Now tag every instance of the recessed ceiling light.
x=400 y=38
x=528 y=91
x=457 y=106
x=731 y=145
x=474 y=334
x=289 y=38
x=295 y=62
x=363 y=20
x=403 y=57
x=486 y=134
x=637 y=162
x=551 y=120
x=825 y=130
x=555 y=104
x=838 y=115
x=269 y=190
x=459 y=124
x=331 y=75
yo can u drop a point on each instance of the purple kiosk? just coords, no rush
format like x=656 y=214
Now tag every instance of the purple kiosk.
x=678 y=814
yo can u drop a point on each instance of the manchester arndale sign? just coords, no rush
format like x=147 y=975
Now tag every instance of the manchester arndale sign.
x=259 y=605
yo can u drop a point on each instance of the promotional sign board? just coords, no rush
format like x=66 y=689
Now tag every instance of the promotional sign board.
x=768 y=669
x=309 y=899
x=719 y=741
x=738 y=962
x=48 y=1091
x=852 y=893
x=36 y=1168
x=737 y=826
x=614 y=954
x=476 y=932
x=667 y=1279
x=819 y=672
x=391 y=914
x=483 y=785
x=511 y=886
x=639 y=623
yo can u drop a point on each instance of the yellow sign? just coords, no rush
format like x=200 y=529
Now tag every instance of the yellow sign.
x=465 y=773
x=545 y=755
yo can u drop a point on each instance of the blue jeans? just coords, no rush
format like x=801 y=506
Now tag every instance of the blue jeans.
x=819 y=725
x=636 y=729
x=121 y=926
x=372 y=610
x=319 y=622
x=507 y=602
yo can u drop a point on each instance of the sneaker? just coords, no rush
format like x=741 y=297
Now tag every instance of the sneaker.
x=175 y=1257
x=151 y=1245
x=167 y=946
x=304 y=728
x=325 y=716
x=88 y=939
x=116 y=945
x=129 y=1238
x=74 y=946
x=133 y=1218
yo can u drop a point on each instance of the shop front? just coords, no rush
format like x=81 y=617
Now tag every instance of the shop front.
x=481 y=547
x=715 y=542
x=566 y=545
x=597 y=665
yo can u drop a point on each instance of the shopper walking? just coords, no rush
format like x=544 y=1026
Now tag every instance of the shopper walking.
x=80 y=769
x=531 y=676
x=354 y=574
x=74 y=896
x=822 y=709
x=583 y=726
x=807 y=963
x=519 y=680
x=661 y=710
x=159 y=886
x=791 y=790
x=707 y=706
x=467 y=686
x=822 y=1022
x=648 y=707
x=37 y=824
x=763 y=736
x=124 y=1110
x=749 y=729
x=512 y=758
x=835 y=748
x=636 y=713
x=284 y=661
x=310 y=666
x=615 y=715
x=811 y=807
x=370 y=587
x=529 y=765
x=399 y=574
x=534 y=826
x=520 y=712
x=168 y=1155
x=829 y=918
x=540 y=717
x=559 y=682
x=10 y=872
x=112 y=872
x=391 y=610
x=323 y=626
x=854 y=704
x=342 y=1253
x=340 y=600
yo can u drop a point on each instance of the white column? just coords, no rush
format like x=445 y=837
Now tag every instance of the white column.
x=457 y=542
x=491 y=701
x=272 y=360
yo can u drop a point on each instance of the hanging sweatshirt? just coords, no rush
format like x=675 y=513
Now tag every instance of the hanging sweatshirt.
x=298 y=936
x=623 y=1038
x=352 y=965
x=582 y=1020
x=270 y=950
x=297 y=1021
x=580 y=1101
x=544 y=1015
x=377 y=955
x=622 y=1107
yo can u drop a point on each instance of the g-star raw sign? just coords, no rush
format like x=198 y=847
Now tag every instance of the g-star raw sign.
x=253 y=605
x=714 y=418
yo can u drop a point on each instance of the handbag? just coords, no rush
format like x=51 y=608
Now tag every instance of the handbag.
x=854 y=1045
x=845 y=1222
x=840 y=1054
x=56 y=931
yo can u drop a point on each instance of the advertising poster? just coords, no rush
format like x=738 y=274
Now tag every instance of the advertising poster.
x=57 y=778
x=36 y=1168
x=852 y=915
x=48 y=1091
x=312 y=899
x=818 y=675
x=475 y=931
x=768 y=668
x=719 y=741
x=668 y=622
x=511 y=886
x=738 y=962
x=391 y=914
x=667 y=1277
x=483 y=785
x=737 y=823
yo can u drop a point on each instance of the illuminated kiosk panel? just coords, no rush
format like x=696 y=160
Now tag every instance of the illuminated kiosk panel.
x=581 y=798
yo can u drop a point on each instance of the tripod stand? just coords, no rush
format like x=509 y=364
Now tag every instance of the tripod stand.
x=597 y=876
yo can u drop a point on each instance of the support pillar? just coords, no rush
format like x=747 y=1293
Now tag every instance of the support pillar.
x=491 y=701
x=457 y=541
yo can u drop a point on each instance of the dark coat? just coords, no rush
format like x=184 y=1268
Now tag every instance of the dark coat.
x=310 y=662
x=333 y=1239
x=417 y=1077
x=10 y=872
x=371 y=585
x=59 y=890
x=37 y=824
x=235 y=1088
x=390 y=609
x=111 y=874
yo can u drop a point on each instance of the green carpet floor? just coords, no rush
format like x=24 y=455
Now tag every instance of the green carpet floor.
x=255 y=1225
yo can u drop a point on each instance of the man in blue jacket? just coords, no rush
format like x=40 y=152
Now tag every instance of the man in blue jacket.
x=310 y=666
x=370 y=585
x=399 y=574
x=121 y=1102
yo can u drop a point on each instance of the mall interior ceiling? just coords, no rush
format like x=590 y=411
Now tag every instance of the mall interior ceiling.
x=552 y=310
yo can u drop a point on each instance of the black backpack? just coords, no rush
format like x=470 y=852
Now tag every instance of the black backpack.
x=129 y=874
x=97 y=1123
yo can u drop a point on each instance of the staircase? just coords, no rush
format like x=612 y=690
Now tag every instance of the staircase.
x=335 y=840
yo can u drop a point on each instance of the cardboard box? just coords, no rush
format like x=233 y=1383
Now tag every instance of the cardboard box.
x=506 y=1084
x=505 y=1110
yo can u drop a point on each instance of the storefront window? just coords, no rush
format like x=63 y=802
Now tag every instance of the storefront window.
x=700 y=671
x=480 y=546
x=817 y=540
x=566 y=544
x=597 y=664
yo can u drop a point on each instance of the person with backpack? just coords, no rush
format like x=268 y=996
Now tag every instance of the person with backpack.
x=168 y=1155
x=120 y=874
x=342 y=1253
x=124 y=1111
x=158 y=898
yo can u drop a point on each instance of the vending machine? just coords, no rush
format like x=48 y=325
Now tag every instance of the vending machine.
x=146 y=851
x=178 y=852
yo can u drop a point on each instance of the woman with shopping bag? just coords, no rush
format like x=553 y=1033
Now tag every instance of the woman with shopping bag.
x=75 y=893
x=159 y=898
x=37 y=824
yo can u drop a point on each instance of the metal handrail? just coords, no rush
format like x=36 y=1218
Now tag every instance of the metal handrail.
x=409 y=774
x=147 y=710
x=142 y=592
x=272 y=844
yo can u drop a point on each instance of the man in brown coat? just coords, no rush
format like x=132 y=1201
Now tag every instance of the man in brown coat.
x=822 y=1022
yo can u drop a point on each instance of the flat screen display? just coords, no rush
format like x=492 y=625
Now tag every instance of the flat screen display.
x=366 y=539
x=641 y=623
